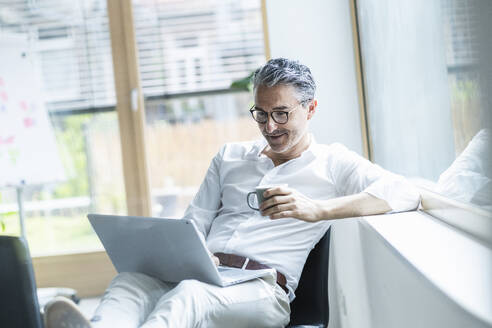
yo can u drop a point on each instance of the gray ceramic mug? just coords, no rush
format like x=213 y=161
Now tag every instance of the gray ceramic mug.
x=259 y=190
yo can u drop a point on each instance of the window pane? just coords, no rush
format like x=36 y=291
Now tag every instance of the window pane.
x=72 y=45
x=196 y=44
x=424 y=93
x=189 y=53
x=183 y=136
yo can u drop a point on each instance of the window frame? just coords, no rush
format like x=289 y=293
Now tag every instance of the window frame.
x=90 y=273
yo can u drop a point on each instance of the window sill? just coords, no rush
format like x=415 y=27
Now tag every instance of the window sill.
x=458 y=266
x=88 y=273
x=470 y=219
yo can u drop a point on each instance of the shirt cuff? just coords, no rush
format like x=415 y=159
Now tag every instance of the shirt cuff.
x=400 y=194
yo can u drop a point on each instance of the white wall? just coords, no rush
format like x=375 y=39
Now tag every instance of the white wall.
x=347 y=284
x=319 y=34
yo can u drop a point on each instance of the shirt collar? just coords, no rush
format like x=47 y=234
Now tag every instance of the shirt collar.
x=255 y=151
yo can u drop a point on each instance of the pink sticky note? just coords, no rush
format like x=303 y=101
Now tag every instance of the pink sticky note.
x=9 y=140
x=28 y=122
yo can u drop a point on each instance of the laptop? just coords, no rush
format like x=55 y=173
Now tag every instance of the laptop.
x=168 y=249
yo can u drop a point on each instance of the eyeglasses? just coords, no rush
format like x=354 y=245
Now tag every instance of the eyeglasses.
x=279 y=117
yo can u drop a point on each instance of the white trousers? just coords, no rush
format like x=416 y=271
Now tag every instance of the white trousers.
x=137 y=300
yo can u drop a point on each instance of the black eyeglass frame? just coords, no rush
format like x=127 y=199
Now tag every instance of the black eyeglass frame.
x=252 y=110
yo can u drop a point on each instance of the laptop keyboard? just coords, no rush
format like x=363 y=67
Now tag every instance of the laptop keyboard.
x=224 y=269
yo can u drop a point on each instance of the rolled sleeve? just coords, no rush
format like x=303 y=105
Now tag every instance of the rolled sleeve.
x=354 y=174
x=399 y=193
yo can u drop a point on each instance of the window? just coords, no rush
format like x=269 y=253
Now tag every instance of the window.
x=425 y=89
x=189 y=54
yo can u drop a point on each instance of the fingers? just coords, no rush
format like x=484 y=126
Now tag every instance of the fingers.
x=216 y=260
x=292 y=213
x=278 y=208
x=276 y=200
x=281 y=203
x=276 y=191
x=287 y=203
x=284 y=214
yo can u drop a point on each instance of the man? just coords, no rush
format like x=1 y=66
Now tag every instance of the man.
x=324 y=183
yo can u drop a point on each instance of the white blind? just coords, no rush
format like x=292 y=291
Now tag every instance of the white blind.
x=71 y=42
x=196 y=45
x=459 y=18
x=184 y=46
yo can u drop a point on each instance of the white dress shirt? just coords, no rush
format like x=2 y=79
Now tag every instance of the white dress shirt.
x=221 y=212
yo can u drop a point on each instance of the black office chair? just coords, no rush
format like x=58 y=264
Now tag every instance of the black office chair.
x=18 y=299
x=310 y=307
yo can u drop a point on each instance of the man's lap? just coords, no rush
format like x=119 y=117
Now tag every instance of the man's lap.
x=258 y=303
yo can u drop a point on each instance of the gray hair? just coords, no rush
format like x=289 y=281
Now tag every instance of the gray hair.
x=286 y=72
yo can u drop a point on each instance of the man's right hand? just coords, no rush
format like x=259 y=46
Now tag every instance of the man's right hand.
x=216 y=260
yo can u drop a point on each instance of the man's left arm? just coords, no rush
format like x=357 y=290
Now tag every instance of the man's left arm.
x=363 y=189
x=288 y=203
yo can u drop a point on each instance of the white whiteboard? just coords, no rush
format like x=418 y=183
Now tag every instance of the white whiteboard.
x=28 y=151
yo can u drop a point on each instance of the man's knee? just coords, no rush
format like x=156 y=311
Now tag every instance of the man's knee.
x=189 y=291
x=135 y=282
